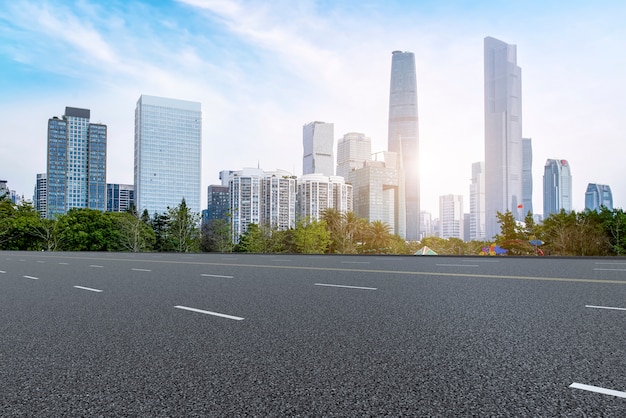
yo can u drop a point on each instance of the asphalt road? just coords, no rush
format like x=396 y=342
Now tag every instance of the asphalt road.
x=108 y=334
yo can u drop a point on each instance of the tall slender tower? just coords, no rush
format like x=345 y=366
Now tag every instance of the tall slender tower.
x=527 y=176
x=403 y=132
x=557 y=187
x=503 y=133
x=168 y=139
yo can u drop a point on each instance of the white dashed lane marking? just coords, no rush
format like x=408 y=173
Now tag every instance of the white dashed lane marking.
x=346 y=287
x=221 y=315
x=598 y=389
x=217 y=275
x=88 y=288
x=31 y=277
x=605 y=307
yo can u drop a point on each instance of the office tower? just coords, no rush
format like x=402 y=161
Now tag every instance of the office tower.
x=426 y=224
x=40 y=197
x=316 y=193
x=217 y=202
x=352 y=151
x=557 y=187
x=403 y=138
x=477 y=203
x=375 y=189
x=503 y=133
x=168 y=137
x=598 y=195
x=76 y=168
x=262 y=198
x=4 y=189
x=120 y=197
x=451 y=216
x=317 y=140
x=527 y=176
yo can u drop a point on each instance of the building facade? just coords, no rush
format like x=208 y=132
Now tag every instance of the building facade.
x=40 y=196
x=403 y=139
x=477 y=203
x=120 y=197
x=352 y=151
x=557 y=187
x=598 y=195
x=451 y=216
x=217 y=203
x=376 y=189
x=76 y=163
x=317 y=192
x=168 y=140
x=318 y=143
x=503 y=133
x=527 y=176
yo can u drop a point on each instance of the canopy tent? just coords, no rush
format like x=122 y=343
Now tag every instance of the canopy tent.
x=425 y=251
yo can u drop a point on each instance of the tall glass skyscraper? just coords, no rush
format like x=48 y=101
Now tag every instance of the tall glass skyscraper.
x=527 y=176
x=76 y=169
x=477 y=202
x=557 y=187
x=352 y=151
x=317 y=140
x=403 y=133
x=168 y=137
x=598 y=195
x=503 y=133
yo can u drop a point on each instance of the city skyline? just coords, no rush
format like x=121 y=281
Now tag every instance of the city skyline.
x=259 y=82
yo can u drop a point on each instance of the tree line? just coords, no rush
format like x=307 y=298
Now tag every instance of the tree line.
x=587 y=233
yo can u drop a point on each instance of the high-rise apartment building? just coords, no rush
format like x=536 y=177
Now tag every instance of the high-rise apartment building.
x=40 y=197
x=217 y=202
x=120 y=197
x=76 y=167
x=317 y=192
x=557 y=187
x=527 y=176
x=503 y=133
x=352 y=151
x=262 y=198
x=168 y=140
x=317 y=141
x=598 y=195
x=477 y=202
x=376 y=189
x=403 y=139
x=451 y=216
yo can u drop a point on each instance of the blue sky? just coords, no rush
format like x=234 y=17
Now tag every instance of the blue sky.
x=263 y=69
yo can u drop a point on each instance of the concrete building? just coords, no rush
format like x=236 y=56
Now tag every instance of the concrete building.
x=503 y=133
x=557 y=187
x=318 y=143
x=76 y=163
x=598 y=195
x=40 y=196
x=477 y=203
x=168 y=138
x=352 y=151
x=120 y=197
x=527 y=176
x=403 y=139
x=317 y=192
x=451 y=216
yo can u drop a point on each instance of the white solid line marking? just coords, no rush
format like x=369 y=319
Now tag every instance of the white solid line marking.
x=88 y=288
x=236 y=318
x=603 y=262
x=609 y=269
x=31 y=277
x=93 y=265
x=216 y=275
x=598 y=390
x=605 y=307
x=457 y=265
x=3 y=272
x=140 y=270
x=347 y=287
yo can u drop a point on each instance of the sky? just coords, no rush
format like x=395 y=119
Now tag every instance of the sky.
x=263 y=69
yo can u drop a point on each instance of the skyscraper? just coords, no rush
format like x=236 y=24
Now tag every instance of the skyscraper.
x=477 y=202
x=557 y=187
x=527 y=176
x=403 y=133
x=317 y=192
x=352 y=151
x=503 y=133
x=168 y=138
x=40 y=197
x=318 y=140
x=598 y=195
x=120 y=197
x=76 y=168
x=451 y=216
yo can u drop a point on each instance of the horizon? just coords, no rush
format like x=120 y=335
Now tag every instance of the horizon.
x=261 y=72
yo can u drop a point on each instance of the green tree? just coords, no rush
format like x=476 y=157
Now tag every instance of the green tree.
x=251 y=241
x=574 y=234
x=216 y=236
x=614 y=224
x=47 y=230
x=17 y=223
x=182 y=227
x=132 y=232
x=311 y=237
x=83 y=229
x=159 y=225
